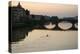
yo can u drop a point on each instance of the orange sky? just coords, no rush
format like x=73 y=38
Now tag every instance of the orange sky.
x=60 y=10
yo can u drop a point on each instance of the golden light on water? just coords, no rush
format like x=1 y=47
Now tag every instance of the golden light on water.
x=56 y=40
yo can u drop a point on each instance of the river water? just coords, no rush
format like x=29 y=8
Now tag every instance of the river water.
x=47 y=40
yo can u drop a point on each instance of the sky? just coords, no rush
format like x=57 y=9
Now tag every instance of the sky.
x=49 y=9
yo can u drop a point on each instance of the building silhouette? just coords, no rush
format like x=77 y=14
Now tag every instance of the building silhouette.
x=18 y=14
x=20 y=17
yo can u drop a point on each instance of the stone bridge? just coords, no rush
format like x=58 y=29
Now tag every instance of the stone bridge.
x=18 y=33
x=61 y=24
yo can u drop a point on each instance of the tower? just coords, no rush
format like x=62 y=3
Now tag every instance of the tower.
x=9 y=3
x=19 y=5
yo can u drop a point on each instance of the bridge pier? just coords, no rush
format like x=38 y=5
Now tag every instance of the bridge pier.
x=57 y=27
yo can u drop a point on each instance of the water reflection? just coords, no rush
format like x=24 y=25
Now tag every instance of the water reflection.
x=19 y=34
x=45 y=40
x=41 y=40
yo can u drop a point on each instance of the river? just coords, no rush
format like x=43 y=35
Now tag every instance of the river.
x=47 y=40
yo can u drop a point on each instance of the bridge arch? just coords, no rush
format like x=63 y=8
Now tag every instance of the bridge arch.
x=59 y=25
x=65 y=25
x=49 y=25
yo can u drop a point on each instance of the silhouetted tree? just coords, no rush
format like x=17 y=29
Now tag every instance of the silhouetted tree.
x=54 y=18
x=27 y=12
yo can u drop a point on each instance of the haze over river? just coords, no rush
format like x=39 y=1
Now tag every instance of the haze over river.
x=46 y=40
